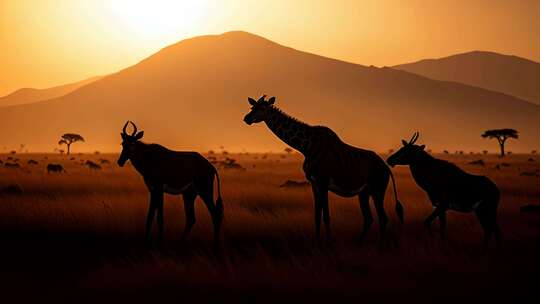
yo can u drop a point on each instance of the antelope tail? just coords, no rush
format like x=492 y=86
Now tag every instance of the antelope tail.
x=219 y=201
x=399 y=207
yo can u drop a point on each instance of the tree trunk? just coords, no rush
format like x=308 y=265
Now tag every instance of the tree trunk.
x=68 y=146
x=501 y=144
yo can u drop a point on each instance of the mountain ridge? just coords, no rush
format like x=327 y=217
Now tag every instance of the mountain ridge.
x=192 y=95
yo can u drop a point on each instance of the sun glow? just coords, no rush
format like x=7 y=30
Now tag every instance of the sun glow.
x=159 y=18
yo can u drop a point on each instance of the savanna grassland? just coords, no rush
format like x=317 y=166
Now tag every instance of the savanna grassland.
x=79 y=236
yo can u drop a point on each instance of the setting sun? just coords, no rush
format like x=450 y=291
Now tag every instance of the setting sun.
x=159 y=18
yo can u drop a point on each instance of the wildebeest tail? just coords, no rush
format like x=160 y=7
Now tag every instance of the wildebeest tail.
x=219 y=200
x=399 y=207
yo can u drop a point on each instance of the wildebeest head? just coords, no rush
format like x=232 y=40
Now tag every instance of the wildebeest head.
x=406 y=154
x=259 y=109
x=128 y=143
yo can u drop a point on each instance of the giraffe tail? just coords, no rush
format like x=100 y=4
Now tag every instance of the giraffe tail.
x=399 y=206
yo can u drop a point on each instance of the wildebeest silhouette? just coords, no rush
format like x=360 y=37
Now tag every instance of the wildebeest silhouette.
x=12 y=165
x=450 y=188
x=104 y=161
x=173 y=172
x=294 y=184
x=55 y=168
x=92 y=165
x=32 y=162
x=330 y=165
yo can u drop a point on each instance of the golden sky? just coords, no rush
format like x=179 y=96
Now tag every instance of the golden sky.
x=45 y=43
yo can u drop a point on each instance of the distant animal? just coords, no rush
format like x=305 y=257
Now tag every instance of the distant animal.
x=55 y=168
x=32 y=162
x=330 y=165
x=531 y=173
x=11 y=189
x=173 y=172
x=478 y=162
x=12 y=165
x=104 y=161
x=294 y=184
x=92 y=165
x=1 y=162
x=531 y=208
x=450 y=188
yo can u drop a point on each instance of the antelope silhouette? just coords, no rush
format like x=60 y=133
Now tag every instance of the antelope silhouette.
x=55 y=168
x=450 y=188
x=172 y=172
x=330 y=165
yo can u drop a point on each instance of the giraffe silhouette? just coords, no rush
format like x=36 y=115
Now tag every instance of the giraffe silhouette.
x=330 y=165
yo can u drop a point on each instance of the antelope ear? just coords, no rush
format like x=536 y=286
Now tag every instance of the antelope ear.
x=272 y=100
x=139 y=135
x=252 y=101
x=422 y=147
x=403 y=142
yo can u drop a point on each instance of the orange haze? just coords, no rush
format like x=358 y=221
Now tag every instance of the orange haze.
x=48 y=43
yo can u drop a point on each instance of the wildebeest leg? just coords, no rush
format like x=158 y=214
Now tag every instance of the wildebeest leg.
x=150 y=217
x=363 y=197
x=431 y=218
x=205 y=189
x=488 y=219
x=158 y=201
x=442 y=222
x=189 y=209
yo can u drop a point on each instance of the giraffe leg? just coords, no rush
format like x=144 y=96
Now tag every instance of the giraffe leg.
x=318 y=210
x=366 y=213
x=381 y=213
x=326 y=213
x=189 y=209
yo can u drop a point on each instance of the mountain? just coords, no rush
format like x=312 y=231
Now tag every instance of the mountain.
x=29 y=95
x=193 y=95
x=511 y=75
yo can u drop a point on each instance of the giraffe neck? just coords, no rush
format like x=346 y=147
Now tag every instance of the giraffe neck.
x=290 y=130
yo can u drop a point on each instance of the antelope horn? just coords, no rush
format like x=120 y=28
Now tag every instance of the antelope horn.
x=414 y=138
x=261 y=98
x=124 y=128
x=134 y=128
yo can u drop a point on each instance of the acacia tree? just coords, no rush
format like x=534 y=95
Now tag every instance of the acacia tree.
x=69 y=138
x=501 y=135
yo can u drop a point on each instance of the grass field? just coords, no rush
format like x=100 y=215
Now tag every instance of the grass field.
x=78 y=236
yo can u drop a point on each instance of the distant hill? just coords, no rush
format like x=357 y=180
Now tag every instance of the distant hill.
x=511 y=75
x=192 y=95
x=29 y=95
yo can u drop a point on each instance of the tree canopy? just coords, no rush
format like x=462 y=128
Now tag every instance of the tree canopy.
x=500 y=133
x=69 y=138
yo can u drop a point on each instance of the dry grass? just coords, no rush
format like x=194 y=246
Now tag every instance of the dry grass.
x=80 y=234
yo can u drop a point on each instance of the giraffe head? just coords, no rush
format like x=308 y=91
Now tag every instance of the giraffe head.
x=407 y=154
x=259 y=109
